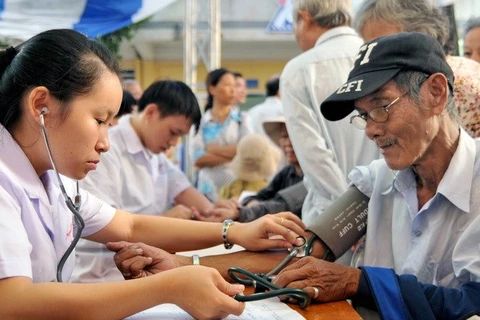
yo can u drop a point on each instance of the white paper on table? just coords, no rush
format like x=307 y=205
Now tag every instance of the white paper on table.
x=268 y=309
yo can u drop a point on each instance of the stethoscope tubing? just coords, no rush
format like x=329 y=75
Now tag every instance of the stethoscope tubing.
x=275 y=291
x=73 y=207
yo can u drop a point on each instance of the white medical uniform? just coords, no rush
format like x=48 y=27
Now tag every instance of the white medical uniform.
x=131 y=178
x=36 y=227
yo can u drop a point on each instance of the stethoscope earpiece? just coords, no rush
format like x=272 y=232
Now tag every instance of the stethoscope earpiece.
x=43 y=112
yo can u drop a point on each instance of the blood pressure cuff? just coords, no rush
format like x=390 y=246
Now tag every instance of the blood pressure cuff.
x=342 y=224
x=294 y=196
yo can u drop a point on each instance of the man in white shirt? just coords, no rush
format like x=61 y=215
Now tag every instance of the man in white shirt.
x=268 y=110
x=326 y=151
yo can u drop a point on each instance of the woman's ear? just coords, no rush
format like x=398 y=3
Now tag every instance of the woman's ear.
x=211 y=90
x=37 y=102
x=438 y=92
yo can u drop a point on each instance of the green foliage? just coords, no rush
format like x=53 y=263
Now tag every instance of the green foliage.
x=4 y=45
x=112 y=40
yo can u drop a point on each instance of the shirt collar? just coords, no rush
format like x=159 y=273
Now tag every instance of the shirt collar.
x=234 y=114
x=272 y=98
x=456 y=190
x=132 y=141
x=333 y=33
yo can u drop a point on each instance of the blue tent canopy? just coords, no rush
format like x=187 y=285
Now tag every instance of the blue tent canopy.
x=22 y=19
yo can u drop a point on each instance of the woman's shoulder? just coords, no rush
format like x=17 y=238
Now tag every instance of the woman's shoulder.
x=10 y=183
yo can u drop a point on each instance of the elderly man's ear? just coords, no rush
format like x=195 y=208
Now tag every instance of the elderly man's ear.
x=437 y=92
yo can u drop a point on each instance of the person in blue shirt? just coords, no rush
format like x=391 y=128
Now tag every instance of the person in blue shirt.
x=214 y=145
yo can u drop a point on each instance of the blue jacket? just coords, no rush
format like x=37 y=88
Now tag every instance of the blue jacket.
x=403 y=297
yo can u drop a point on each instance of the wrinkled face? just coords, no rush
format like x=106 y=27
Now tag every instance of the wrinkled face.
x=471 y=44
x=161 y=133
x=406 y=136
x=78 y=139
x=224 y=91
x=377 y=28
x=240 y=90
x=286 y=146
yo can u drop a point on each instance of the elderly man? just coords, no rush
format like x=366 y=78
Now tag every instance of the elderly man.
x=421 y=256
x=423 y=219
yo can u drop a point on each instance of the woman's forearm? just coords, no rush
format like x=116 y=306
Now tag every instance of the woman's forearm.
x=228 y=151
x=22 y=299
x=210 y=160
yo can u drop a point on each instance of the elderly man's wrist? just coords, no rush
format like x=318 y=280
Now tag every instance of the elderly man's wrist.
x=353 y=282
x=320 y=249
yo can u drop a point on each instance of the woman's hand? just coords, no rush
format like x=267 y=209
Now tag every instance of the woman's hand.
x=333 y=281
x=138 y=260
x=256 y=235
x=203 y=293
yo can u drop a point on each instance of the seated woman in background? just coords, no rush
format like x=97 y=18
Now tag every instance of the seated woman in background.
x=253 y=165
x=215 y=143
x=285 y=192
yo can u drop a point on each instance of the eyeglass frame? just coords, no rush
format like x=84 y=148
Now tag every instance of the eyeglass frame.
x=368 y=115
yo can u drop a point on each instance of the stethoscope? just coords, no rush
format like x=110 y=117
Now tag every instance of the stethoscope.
x=73 y=207
x=262 y=282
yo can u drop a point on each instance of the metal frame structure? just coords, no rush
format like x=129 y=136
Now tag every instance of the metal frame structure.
x=196 y=38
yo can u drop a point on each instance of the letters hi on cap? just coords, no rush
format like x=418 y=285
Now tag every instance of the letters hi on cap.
x=378 y=61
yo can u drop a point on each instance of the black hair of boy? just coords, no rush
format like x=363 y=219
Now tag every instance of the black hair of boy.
x=172 y=98
x=272 y=87
x=126 y=107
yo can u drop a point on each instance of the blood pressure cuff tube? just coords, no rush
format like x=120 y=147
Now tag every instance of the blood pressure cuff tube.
x=294 y=196
x=342 y=224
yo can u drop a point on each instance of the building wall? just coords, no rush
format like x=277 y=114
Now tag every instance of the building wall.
x=148 y=71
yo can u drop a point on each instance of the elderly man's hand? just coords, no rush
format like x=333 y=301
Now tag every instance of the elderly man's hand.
x=333 y=281
x=138 y=260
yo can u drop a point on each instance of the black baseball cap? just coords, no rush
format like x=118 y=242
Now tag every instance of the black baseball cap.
x=382 y=59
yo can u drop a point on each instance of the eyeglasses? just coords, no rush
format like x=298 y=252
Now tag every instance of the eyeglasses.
x=378 y=115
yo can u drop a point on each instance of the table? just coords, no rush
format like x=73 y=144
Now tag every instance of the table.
x=339 y=310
